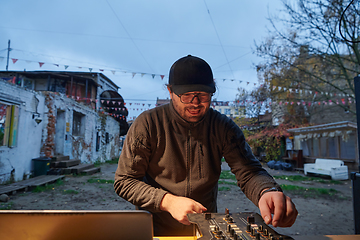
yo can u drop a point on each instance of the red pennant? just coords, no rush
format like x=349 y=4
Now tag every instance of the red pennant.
x=41 y=63
x=14 y=60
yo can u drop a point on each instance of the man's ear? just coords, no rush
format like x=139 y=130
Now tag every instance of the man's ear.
x=170 y=92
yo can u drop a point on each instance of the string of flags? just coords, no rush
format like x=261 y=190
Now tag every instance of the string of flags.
x=302 y=92
x=342 y=101
x=114 y=71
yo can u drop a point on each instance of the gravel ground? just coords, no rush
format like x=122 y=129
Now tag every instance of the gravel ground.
x=317 y=216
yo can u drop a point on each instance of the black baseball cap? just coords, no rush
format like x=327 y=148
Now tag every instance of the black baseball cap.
x=190 y=74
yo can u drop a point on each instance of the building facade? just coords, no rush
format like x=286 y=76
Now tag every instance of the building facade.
x=45 y=114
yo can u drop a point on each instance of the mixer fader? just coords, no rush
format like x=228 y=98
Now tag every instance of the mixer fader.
x=238 y=226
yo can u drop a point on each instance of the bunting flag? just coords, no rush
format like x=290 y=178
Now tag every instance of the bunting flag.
x=162 y=76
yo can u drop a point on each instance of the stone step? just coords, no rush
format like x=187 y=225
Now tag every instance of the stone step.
x=65 y=163
x=90 y=171
x=77 y=169
x=60 y=158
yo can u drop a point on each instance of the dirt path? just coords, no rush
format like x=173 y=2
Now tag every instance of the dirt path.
x=316 y=216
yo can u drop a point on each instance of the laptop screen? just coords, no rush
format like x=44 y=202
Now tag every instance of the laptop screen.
x=73 y=224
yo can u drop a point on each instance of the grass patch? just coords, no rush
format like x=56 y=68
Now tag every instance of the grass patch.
x=48 y=187
x=227 y=175
x=223 y=189
x=70 y=191
x=299 y=178
x=312 y=192
x=97 y=180
x=6 y=206
x=112 y=161
x=228 y=183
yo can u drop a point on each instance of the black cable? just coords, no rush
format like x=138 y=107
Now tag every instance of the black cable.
x=341 y=18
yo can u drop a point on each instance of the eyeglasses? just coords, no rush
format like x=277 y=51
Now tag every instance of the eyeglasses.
x=189 y=97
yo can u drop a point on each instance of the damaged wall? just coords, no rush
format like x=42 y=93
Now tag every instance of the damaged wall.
x=66 y=128
x=80 y=128
x=16 y=160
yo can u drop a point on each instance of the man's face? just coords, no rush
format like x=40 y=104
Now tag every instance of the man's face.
x=193 y=111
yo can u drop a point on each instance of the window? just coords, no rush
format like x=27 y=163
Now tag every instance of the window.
x=28 y=83
x=78 y=124
x=305 y=147
x=348 y=148
x=315 y=147
x=333 y=147
x=323 y=147
x=227 y=111
x=9 y=115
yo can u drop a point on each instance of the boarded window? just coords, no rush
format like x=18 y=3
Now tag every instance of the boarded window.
x=9 y=115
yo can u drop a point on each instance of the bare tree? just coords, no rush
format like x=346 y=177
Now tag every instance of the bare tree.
x=310 y=63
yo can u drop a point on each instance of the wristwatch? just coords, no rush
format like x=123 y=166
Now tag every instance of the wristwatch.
x=273 y=189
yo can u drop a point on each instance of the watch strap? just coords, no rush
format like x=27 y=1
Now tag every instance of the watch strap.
x=273 y=189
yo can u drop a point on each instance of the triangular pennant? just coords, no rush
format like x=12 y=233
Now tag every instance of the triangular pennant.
x=90 y=69
x=113 y=72
x=14 y=60
x=41 y=63
x=153 y=75
x=66 y=66
x=162 y=77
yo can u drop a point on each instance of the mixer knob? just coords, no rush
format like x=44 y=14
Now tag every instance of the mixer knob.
x=257 y=236
x=248 y=228
x=214 y=228
x=251 y=219
x=261 y=228
x=232 y=232
x=207 y=216
x=228 y=228
x=281 y=238
x=253 y=232
x=266 y=232
x=231 y=220
x=219 y=235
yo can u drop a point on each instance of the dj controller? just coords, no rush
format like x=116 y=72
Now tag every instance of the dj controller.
x=237 y=226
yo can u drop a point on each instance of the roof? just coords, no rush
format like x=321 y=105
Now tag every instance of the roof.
x=325 y=127
x=92 y=75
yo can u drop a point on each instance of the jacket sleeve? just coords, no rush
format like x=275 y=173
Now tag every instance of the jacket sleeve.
x=252 y=178
x=132 y=166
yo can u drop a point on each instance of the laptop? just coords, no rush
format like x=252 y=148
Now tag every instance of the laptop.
x=75 y=224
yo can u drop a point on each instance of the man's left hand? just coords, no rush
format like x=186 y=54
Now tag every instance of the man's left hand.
x=283 y=209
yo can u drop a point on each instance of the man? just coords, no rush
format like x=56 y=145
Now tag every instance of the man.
x=171 y=160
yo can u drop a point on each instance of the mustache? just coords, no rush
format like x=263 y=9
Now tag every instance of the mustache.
x=195 y=108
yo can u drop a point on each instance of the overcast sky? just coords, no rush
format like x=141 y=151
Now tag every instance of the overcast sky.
x=135 y=42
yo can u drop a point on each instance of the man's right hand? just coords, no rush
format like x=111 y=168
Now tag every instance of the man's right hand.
x=178 y=207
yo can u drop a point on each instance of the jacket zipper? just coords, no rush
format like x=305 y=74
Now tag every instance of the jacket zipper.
x=188 y=164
